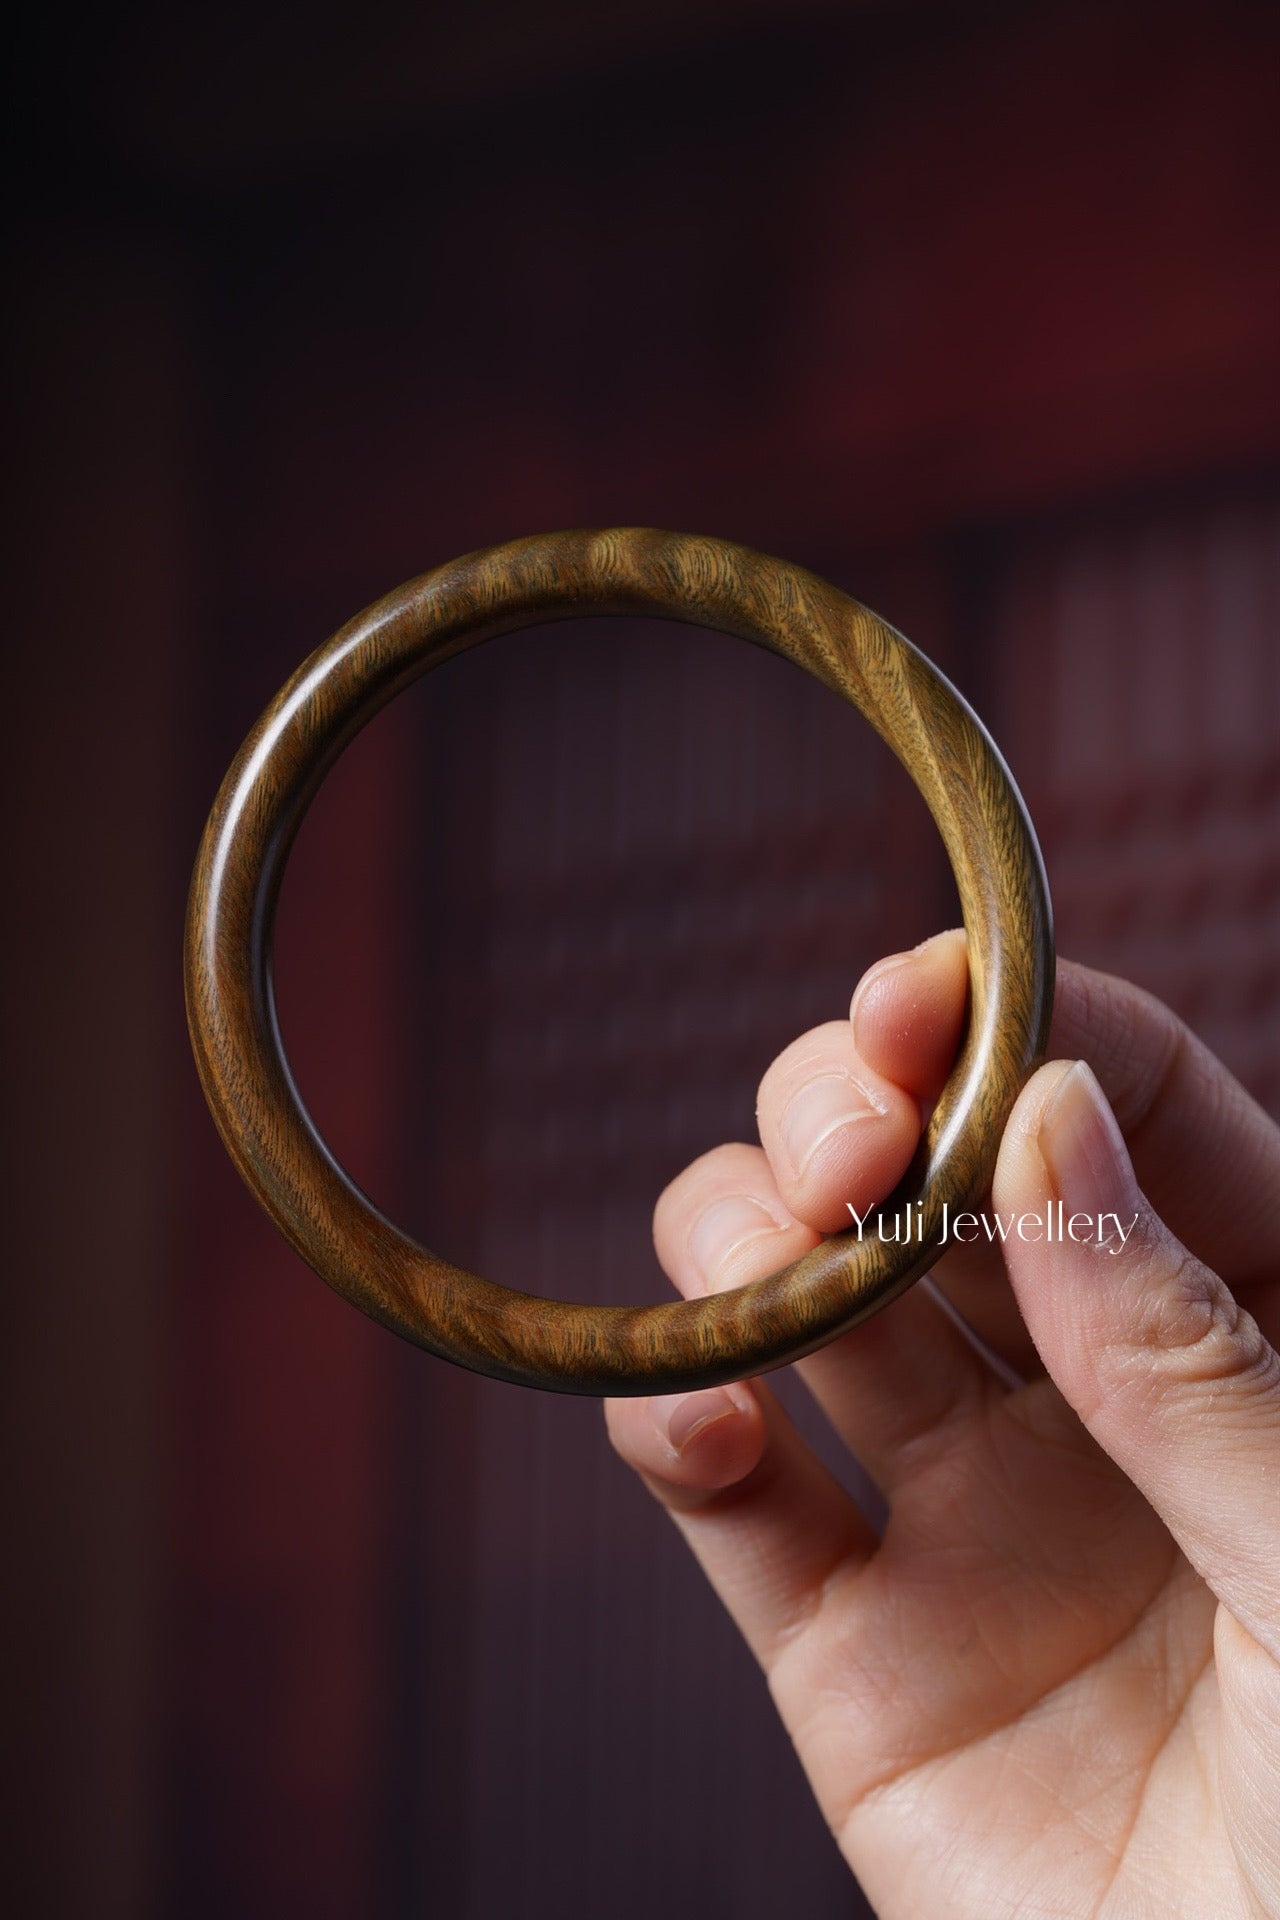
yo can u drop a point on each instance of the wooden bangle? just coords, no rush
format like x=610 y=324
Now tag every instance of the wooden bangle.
x=350 y=1244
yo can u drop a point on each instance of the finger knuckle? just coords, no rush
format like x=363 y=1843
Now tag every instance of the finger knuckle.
x=1193 y=1327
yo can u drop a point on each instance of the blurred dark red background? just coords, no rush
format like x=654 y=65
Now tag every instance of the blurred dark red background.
x=976 y=309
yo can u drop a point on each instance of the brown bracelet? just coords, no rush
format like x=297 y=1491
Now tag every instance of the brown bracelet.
x=712 y=583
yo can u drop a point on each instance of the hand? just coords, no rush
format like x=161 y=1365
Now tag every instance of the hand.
x=1053 y=1685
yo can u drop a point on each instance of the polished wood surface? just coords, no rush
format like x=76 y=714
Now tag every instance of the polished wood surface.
x=364 y=1256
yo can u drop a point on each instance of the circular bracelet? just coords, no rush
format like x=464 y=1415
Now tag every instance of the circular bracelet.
x=497 y=1330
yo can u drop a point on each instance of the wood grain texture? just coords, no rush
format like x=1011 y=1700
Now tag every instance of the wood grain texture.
x=336 y=1228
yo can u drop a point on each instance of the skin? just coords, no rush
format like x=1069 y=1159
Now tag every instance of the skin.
x=1052 y=1686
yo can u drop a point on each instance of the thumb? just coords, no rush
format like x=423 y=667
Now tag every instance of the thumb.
x=1168 y=1372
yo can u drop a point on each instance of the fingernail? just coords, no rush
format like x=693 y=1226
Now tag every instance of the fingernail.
x=724 y=1227
x=679 y=1416
x=1084 y=1151
x=895 y=963
x=819 y=1109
